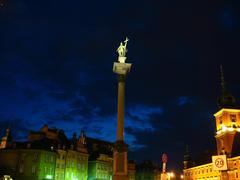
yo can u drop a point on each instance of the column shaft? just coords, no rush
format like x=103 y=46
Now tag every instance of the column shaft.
x=121 y=97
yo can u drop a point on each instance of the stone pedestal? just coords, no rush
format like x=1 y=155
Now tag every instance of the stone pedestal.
x=120 y=161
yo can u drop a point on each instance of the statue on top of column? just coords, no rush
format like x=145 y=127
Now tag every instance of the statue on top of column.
x=122 y=49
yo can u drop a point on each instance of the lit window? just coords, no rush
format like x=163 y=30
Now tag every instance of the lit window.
x=233 y=117
x=21 y=168
x=220 y=120
x=34 y=169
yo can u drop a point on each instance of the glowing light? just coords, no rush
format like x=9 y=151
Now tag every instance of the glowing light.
x=7 y=177
x=181 y=176
x=48 y=176
x=230 y=129
x=224 y=128
x=170 y=174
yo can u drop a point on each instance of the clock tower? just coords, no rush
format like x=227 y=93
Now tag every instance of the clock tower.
x=227 y=120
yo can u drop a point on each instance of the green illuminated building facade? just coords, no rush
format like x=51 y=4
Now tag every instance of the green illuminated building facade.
x=72 y=155
x=101 y=168
x=49 y=154
x=100 y=165
x=28 y=163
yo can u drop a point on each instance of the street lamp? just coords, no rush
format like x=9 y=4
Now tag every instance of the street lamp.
x=170 y=175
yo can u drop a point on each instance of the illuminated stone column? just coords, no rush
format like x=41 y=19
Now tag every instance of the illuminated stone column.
x=120 y=160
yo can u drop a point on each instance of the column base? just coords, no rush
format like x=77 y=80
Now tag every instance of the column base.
x=119 y=177
x=120 y=161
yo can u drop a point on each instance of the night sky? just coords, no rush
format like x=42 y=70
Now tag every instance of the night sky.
x=56 y=61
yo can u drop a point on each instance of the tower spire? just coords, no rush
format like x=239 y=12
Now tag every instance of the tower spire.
x=223 y=83
x=186 y=158
x=226 y=100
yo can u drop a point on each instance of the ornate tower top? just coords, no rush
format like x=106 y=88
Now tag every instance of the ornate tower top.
x=6 y=140
x=226 y=100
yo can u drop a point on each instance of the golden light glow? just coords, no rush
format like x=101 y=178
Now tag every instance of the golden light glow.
x=227 y=129
x=224 y=128
x=171 y=174
x=226 y=110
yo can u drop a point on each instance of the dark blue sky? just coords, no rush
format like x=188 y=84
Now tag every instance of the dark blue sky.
x=56 y=62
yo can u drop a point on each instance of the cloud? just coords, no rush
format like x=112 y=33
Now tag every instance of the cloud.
x=144 y=112
x=84 y=115
x=183 y=100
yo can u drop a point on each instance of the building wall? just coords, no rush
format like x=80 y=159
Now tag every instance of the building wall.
x=24 y=164
x=205 y=171
x=76 y=166
x=60 y=165
x=131 y=171
x=227 y=124
x=8 y=162
x=101 y=169
x=92 y=170
x=201 y=172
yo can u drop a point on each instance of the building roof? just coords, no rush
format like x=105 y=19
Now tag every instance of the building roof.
x=43 y=144
x=96 y=147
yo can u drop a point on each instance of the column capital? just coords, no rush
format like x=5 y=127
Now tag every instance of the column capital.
x=121 y=78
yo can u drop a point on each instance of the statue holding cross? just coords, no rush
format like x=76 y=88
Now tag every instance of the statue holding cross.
x=122 y=49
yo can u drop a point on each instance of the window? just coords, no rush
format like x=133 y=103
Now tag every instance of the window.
x=52 y=159
x=233 y=117
x=220 y=120
x=34 y=169
x=35 y=156
x=21 y=167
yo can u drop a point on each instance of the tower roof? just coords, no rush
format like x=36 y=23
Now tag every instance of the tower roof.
x=186 y=156
x=226 y=100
